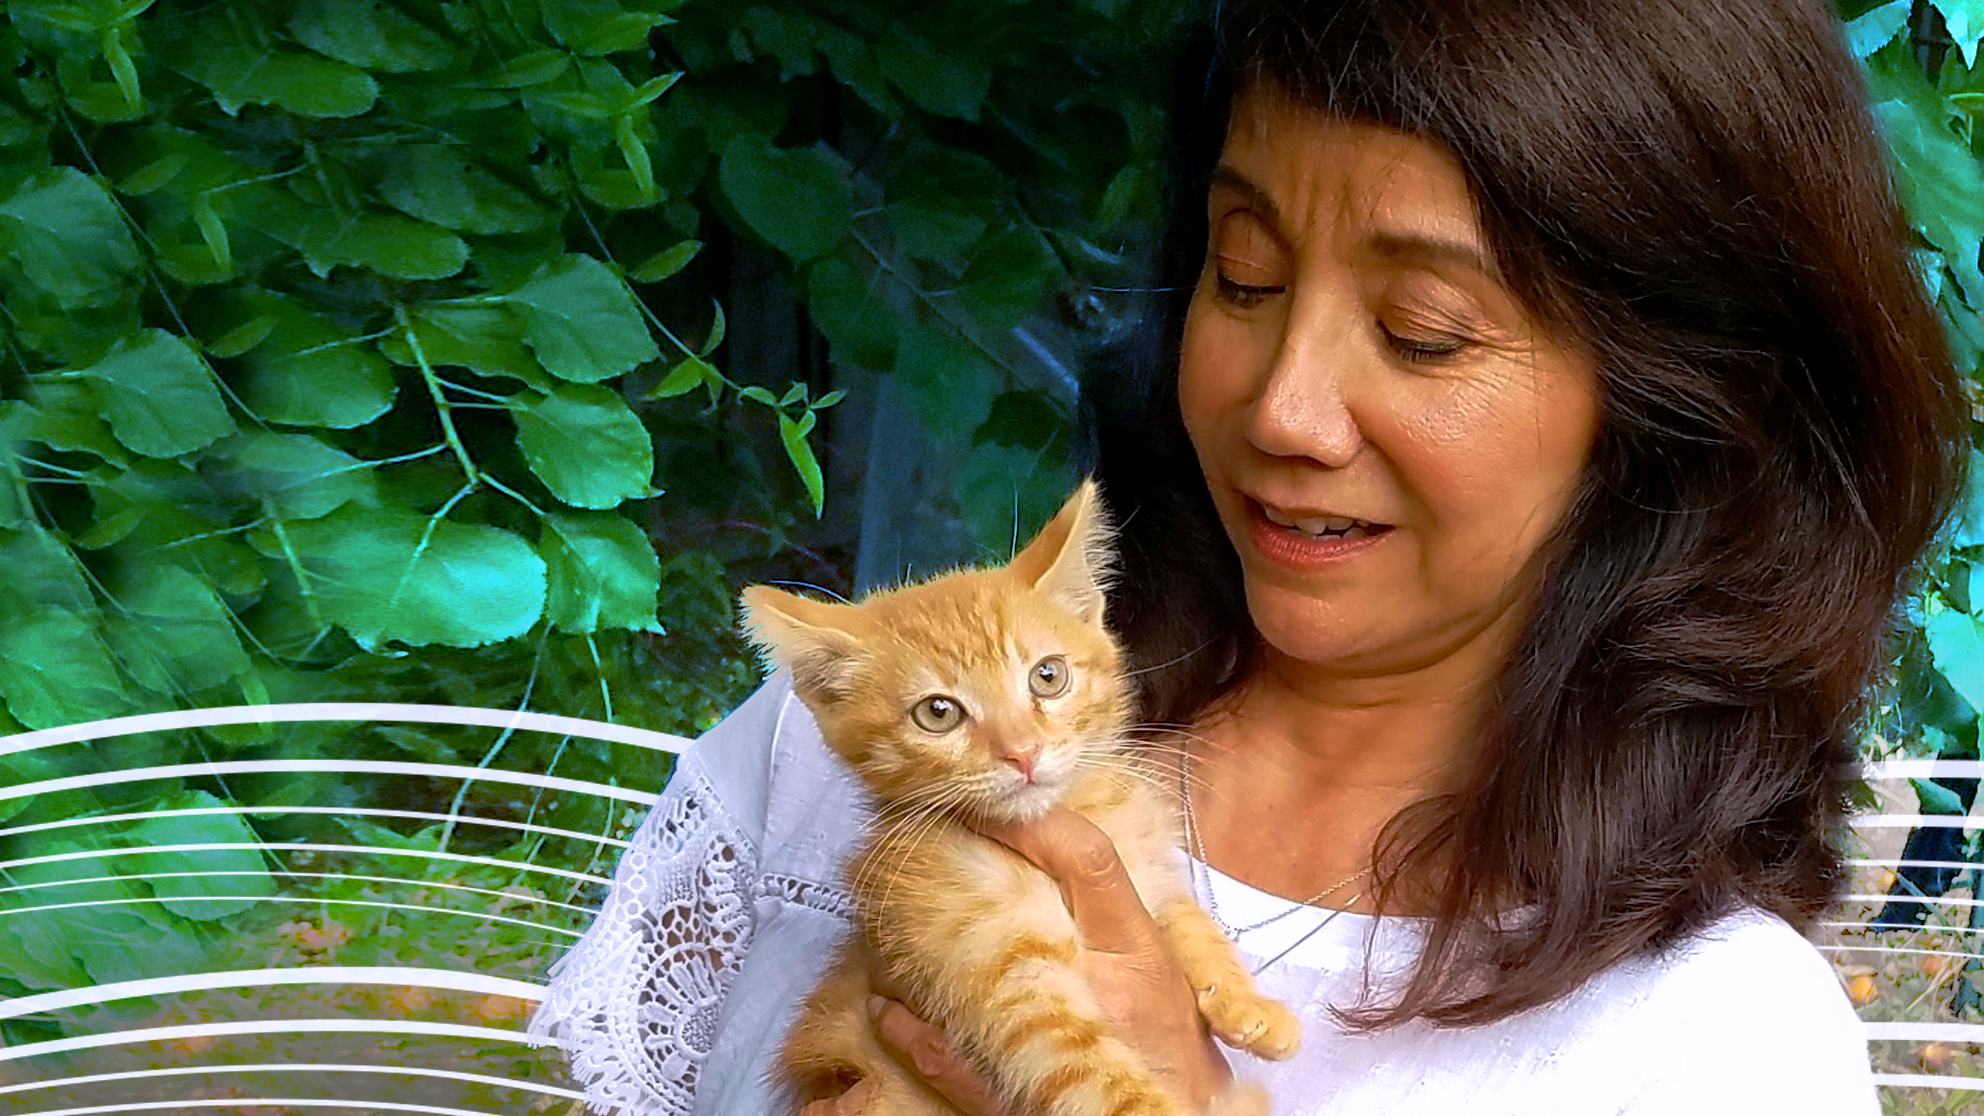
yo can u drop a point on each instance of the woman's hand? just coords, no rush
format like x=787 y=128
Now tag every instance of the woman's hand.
x=1129 y=967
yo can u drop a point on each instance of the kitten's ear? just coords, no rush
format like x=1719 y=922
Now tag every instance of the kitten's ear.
x=802 y=635
x=1071 y=559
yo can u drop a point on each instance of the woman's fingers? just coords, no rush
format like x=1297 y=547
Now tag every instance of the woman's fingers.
x=926 y=1047
x=1097 y=890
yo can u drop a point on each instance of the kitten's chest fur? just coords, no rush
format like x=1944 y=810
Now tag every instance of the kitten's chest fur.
x=917 y=887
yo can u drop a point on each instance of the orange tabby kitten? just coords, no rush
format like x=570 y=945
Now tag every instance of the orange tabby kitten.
x=993 y=695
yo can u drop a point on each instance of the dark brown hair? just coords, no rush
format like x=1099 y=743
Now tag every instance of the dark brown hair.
x=1694 y=189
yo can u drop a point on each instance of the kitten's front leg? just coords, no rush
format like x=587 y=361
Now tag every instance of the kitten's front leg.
x=1030 y=1019
x=1236 y=1011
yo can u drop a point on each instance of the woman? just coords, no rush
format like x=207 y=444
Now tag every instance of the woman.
x=1554 y=419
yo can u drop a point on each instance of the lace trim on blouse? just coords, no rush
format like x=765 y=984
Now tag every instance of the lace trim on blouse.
x=676 y=925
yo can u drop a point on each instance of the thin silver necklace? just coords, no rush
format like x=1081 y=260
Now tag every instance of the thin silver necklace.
x=1198 y=856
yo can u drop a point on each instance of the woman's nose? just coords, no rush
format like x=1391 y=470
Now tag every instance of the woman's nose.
x=1302 y=410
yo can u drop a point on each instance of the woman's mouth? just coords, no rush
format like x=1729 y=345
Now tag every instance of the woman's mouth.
x=1325 y=527
x=1306 y=541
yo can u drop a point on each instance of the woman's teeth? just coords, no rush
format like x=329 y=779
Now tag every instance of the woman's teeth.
x=1329 y=526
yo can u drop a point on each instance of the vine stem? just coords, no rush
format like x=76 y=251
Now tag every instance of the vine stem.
x=441 y=405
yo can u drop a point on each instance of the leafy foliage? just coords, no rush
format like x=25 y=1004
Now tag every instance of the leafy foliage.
x=365 y=350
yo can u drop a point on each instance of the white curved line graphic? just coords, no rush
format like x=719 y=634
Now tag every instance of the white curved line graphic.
x=539 y=900
x=522 y=1083
x=353 y=767
x=1926 y=1081
x=341 y=711
x=271 y=1027
x=449 y=979
x=360 y=811
x=306 y=900
x=1943 y=899
x=244 y=1102
x=1922 y=769
x=300 y=846
x=1914 y=821
x=1926 y=1032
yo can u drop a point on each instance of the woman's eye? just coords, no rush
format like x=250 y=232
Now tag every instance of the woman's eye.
x=1049 y=677
x=938 y=713
x=1244 y=294
x=1428 y=349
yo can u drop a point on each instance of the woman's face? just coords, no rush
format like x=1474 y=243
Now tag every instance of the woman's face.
x=1388 y=436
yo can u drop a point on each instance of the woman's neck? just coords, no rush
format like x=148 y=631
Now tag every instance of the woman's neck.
x=1294 y=777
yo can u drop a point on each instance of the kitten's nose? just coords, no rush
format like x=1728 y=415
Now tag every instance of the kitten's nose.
x=1022 y=757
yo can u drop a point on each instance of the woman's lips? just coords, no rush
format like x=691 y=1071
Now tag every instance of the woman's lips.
x=1295 y=548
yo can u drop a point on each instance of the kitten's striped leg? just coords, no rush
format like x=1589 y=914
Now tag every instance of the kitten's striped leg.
x=1039 y=1033
x=1235 y=1010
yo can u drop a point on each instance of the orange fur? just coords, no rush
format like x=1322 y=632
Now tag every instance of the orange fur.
x=980 y=938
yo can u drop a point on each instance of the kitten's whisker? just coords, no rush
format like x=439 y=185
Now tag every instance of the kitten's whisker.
x=1170 y=663
x=815 y=588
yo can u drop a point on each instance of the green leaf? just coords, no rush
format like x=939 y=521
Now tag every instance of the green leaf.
x=939 y=200
x=582 y=321
x=42 y=575
x=860 y=326
x=596 y=27
x=387 y=243
x=853 y=62
x=603 y=574
x=664 y=264
x=296 y=475
x=1941 y=186
x=370 y=35
x=793 y=436
x=200 y=897
x=240 y=73
x=1964 y=20
x=1938 y=800
x=175 y=636
x=440 y=185
x=793 y=394
x=55 y=671
x=717 y=328
x=307 y=373
x=948 y=383
x=799 y=200
x=586 y=446
x=388 y=577
x=160 y=397
x=1958 y=654
x=1969 y=526
x=759 y=395
x=1009 y=276
x=946 y=84
x=488 y=340
x=68 y=235
x=1877 y=28
x=534 y=68
x=683 y=378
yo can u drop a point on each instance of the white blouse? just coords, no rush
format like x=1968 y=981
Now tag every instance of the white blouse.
x=726 y=905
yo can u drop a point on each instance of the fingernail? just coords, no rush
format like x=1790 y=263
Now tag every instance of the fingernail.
x=875 y=1006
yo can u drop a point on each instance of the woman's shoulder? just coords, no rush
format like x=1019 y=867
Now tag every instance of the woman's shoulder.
x=1745 y=1007
x=795 y=799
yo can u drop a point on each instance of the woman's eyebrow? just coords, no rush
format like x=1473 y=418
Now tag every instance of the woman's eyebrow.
x=1416 y=246
x=1257 y=198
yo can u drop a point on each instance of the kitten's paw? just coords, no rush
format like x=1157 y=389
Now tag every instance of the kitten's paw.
x=1239 y=1098
x=1246 y=1020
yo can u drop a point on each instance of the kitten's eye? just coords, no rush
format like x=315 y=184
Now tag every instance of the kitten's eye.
x=1049 y=677
x=937 y=713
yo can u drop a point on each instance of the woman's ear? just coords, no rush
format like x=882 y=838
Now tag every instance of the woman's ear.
x=803 y=636
x=1071 y=560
